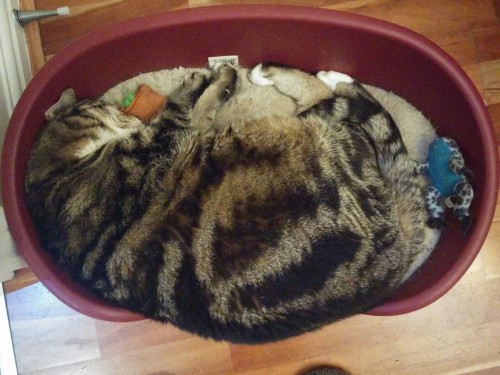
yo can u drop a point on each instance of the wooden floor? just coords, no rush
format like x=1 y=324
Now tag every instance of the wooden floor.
x=459 y=334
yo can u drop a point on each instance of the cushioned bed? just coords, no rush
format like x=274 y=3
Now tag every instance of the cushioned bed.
x=415 y=128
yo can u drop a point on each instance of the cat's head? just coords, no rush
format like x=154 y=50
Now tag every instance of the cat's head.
x=74 y=131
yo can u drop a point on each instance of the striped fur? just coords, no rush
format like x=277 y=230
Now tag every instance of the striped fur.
x=249 y=233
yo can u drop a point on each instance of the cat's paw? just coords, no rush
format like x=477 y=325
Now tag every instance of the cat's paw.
x=224 y=71
x=259 y=77
x=332 y=79
x=194 y=81
x=191 y=88
x=225 y=77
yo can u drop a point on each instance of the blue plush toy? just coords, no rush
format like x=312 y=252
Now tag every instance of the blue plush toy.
x=449 y=183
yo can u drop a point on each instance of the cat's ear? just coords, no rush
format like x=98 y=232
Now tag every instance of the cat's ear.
x=67 y=99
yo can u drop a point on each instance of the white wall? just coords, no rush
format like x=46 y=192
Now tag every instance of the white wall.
x=15 y=72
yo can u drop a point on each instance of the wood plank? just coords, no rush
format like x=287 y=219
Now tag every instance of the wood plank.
x=187 y=357
x=460 y=44
x=429 y=17
x=22 y=278
x=42 y=346
x=494 y=111
x=490 y=71
x=91 y=15
x=33 y=39
x=487 y=41
x=119 y=338
x=496 y=5
x=490 y=371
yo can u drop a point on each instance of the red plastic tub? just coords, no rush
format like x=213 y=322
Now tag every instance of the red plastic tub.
x=375 y=52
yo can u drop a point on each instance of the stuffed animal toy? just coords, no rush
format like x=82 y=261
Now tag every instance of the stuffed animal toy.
x=449 y=184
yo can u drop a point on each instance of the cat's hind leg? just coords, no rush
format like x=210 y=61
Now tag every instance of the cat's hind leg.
x=303 y=88
x=344 y=85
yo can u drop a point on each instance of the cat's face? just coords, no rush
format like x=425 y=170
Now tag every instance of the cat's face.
x=89 y=124
x=75 y=131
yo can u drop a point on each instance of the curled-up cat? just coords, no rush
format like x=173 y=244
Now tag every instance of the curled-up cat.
x=251 y=232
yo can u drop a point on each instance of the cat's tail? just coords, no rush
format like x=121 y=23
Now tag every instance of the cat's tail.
x=358 y=106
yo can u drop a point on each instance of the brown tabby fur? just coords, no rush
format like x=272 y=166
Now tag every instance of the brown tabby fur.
x=251 y=232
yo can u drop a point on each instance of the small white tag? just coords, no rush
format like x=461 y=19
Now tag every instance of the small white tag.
x=233 y=60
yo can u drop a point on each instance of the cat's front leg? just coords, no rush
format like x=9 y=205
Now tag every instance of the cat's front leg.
x=220 y=90
x=180 y=103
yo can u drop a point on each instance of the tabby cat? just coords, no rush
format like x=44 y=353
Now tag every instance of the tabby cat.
x=251 y=232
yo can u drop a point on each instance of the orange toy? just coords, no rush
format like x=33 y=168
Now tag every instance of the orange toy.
x=145 y=104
